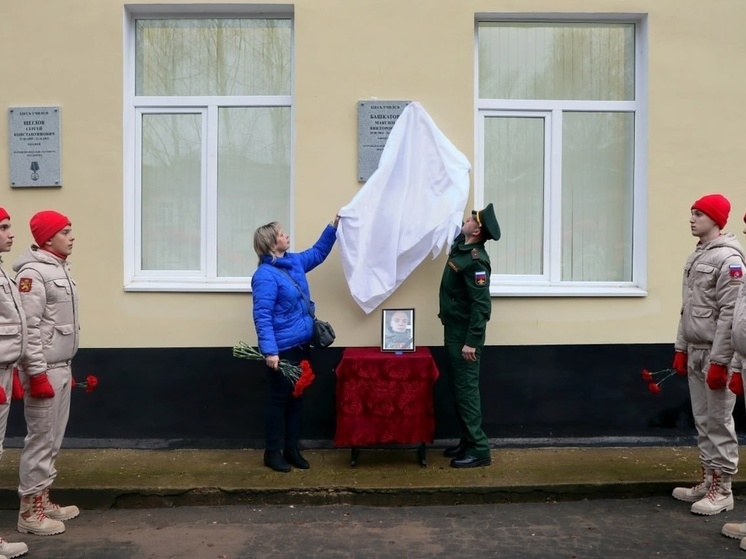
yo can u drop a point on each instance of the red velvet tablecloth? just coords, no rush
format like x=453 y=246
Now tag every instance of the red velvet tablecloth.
x=385 y=398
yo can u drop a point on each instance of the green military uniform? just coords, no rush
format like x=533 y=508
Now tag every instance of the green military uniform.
x=465 y=308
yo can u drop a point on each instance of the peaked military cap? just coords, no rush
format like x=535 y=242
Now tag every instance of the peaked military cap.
x=487 y=220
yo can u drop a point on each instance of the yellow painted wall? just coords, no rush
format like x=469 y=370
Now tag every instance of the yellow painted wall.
x=70 y=53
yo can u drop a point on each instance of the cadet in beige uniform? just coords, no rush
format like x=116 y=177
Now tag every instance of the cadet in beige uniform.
x=712 y=277
x=50 y=302
x=738 y=364
x=13 y=339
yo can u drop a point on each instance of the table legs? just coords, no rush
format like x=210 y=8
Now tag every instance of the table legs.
x=422 y=455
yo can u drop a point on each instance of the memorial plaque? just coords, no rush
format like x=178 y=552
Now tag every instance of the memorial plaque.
x=34 y=143
x=375 y=119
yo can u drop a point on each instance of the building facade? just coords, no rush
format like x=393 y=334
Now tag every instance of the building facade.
x=184 y=126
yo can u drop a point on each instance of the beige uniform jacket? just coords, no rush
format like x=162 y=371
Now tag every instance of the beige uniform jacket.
x=739 y=331
x=712 y=277
x=13 y=335
x=50 y=301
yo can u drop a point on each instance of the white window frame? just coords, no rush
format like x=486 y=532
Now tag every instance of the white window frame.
x=549 y=284
x=205 y=279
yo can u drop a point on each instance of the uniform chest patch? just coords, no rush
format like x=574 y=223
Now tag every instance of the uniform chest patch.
x=453 y=266
x=480 y=278
x=24 y=285
x=735 y=271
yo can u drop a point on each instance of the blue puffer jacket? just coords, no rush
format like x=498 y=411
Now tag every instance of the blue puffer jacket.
x=281 y=316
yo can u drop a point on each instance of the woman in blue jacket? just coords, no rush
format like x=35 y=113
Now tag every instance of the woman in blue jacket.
x=284 y=327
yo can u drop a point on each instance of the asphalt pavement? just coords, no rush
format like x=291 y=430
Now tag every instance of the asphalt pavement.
x=639 y=528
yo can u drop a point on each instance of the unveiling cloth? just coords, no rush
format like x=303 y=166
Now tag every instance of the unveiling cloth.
x=411 y=206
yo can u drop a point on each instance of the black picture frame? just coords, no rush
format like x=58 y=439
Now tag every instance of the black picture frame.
x=394 y=336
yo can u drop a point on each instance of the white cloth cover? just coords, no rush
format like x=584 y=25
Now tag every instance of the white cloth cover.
x=412 y=205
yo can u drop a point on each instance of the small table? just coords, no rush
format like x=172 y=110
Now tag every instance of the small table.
x=385 y=398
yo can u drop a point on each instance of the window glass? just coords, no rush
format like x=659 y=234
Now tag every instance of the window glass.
x=514 y=175
x=597 y=188
x=171 y=191
x=253 y=181
x=212 y=57
x=543 y=60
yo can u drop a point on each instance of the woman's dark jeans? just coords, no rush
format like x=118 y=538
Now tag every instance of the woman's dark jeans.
x=283 y=410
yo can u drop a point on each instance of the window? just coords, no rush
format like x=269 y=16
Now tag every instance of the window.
x=561 y=130
x=207 y=146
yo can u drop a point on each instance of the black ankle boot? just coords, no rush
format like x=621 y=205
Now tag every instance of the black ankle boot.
x=293 y=457
x=273 y=459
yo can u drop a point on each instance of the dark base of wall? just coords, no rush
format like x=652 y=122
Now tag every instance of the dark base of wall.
x=206 y=398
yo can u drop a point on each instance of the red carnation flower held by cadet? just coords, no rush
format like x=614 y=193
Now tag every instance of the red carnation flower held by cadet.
x=89 y=384
x=654 y=385
x=305 y=380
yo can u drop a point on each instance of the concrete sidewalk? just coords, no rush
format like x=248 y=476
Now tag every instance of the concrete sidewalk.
x=105 y=478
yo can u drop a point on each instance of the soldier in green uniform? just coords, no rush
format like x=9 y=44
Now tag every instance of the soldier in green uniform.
x=465 y=308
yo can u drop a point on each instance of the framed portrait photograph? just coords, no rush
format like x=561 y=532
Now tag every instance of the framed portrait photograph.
x=397 y=330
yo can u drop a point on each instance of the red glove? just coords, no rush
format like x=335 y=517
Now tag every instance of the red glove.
x=18 y=391
x=717 y=376
x=3 y=397
x=39 y=386
x=679 y=362
x=736 y=383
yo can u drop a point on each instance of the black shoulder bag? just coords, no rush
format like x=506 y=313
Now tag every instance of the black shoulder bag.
x=323 y=333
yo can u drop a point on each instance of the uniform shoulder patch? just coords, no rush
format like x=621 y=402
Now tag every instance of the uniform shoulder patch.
x=736 y=271
x=24 y=285
x=474 y=254
x=480 y=278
